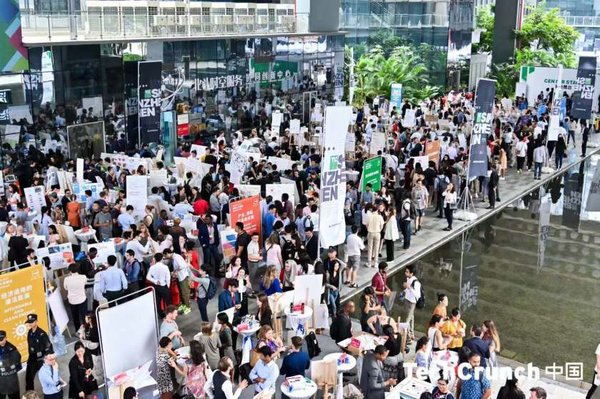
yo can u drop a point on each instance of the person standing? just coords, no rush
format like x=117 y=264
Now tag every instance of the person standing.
x=132 y=270
x=202 y=291
x=420 y=197
x=297 y=361
x=354 y=246
x=521 y=150
x=169 y=328
x=74 y=284
x=540 y=157
x=372 y=382
x=241 y=244
x=374 y=226
x=10 y=361
x=493 y=186
x=478 y=386
x=52 y=383
x=265 y=372
x=220 y=383
x=181 y=269
x=585 y=137
x=412 y=293
x=81 y=378
x=113 y=280
x=449 y=205
x=160 y=276
x=39 y=345
x=380 y=285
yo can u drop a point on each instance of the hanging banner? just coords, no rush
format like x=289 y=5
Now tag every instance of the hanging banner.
x=573 y=185
x=554 y=124
x=5 y=101
x=332 y=226
x=22 y=292
x=593 y=200
x=482 y=127
x=149 y=100
x=130 y=86
x=371 y=173
x=396 y=97
x=247 y=211
x=586 y=82
x=544 y=229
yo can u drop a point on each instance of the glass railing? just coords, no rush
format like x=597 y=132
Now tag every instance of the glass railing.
x=372 y=20
x=582 y=21
x=105 y=25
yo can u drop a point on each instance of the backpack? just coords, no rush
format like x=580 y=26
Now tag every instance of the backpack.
x=442 y=184
x=288 y=250
x=310 y=222
x=212 y=288
x=412 y=213
x=312 y=345
x=333 y=330
x=421 y=301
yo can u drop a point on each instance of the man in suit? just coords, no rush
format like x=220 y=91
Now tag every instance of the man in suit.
x=208 y=235
x=230 y=298
x=493 y=195
x=372 y=382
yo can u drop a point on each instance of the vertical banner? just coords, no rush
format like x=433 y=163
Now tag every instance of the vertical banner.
x=247 y=211
x=22 y=292
x=137 y=193
x=130 y=86
x=371 y=173
x=396 y=97
x=5 y=102
x=572 y=191
x=593 y=200
x=149 y=100
x=554 y=124
x=332 y=226
x=586 y=81
x=482 y=127
x=469 y=276
x=545 y=206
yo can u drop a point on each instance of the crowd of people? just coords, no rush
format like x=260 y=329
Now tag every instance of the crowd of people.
x=186 y=265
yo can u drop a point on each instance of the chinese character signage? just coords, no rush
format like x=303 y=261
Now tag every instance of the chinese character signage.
x=469 y=289
x=149 y=100
x=5 y=101
x=220 y=82
x=372 y=174
x=586 y=81
x=22 y=292
x=482 y=127
x=247 y=211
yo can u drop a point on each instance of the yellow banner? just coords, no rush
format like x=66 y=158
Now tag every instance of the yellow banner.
x=22 y=292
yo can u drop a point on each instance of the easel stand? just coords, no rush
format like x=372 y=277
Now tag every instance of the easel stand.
x=466 y=208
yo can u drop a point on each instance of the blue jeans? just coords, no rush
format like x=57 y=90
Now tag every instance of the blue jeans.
x=559 y=159
x=537 y=170
x=202 y=304
x=334 y=299
x=406 y=229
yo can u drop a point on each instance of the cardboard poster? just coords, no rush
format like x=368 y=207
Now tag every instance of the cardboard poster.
x=228 y=240
x=247 y=211
x=277 y=190
x=61 y=255
x=137 y=193
x=35 y=198
x=105 y=249
x=432 y=150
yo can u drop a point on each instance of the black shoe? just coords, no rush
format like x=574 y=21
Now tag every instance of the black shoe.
x=489 y=207
x=446 y=229
x=440 y=217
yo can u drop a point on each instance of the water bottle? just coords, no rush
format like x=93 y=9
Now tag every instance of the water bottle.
x=58 y=342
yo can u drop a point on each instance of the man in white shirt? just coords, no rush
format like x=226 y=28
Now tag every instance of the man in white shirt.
x=521 y=150
x=126 y=219
x=265 y=372
x=412 y=293
x=137 y=247
x=354 y=246
x=181 y=267
x=374 y=226
x=160 y=276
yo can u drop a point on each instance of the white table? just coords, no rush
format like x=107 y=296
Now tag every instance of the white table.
x=84 y=237
x=409 y=388
x=298 y=320
x=341 y=368
x=308 y=389
x=247 y=341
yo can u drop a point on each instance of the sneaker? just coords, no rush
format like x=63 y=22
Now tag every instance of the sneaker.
x=187 y=310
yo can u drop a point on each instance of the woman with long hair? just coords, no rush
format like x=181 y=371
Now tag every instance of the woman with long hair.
x=369 y=307
x=273 y=251
x=266 y=337
x=434 y=333
x=271 y=284
x=510 y=390
x=225 y=336
x=491 y=336
x=197 y=371
x=450 y=201
x=81 y=380
x=288 y=275
x=264 y=314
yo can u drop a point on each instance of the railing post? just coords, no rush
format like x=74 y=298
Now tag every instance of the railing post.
x=102 y=24
x=49 y=29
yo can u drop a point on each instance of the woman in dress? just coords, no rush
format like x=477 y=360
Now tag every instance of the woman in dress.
x=81 y=380
x=273 y=251
x=225 y=336
x=492 y=338
x=197 y=372
x=369 y=308
x=333 y=284
x=211 y=344
x=164 y=363
x=434 y=333
x=88 y=334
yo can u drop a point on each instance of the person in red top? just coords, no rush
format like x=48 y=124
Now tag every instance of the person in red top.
x=191 y=256
x=200 y=206
x=379 y=283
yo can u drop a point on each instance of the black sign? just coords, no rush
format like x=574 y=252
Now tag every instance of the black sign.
x=572 y=199
x=482 y=127
x=4 y=115
x=6 y=97
x=149 y=100
x=586 y=82
x=131 y=99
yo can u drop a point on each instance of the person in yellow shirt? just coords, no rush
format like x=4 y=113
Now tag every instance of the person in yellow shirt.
x=453 y=331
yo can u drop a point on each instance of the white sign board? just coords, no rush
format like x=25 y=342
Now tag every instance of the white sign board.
x=105 y=249
x=276 y=190
x=137 y=193
x=60 y=255
x=377 y=143
x=57 y=306
x=80 y=170
x=248 y=190
x=282 y=163
x=35 y=197
x=237 y=167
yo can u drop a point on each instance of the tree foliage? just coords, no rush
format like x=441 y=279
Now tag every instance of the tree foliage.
x=387 y=40
x=485 y=22
x=375 y=72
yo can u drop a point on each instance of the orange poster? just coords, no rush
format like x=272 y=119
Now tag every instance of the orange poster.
x=432 y=150
x=247 y=211
x=22 y=292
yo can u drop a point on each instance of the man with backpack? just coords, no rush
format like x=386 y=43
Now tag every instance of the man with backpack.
x=412 y=295
x=440 y=185
x=405 y=217
x=207 y=289
x=133 y=271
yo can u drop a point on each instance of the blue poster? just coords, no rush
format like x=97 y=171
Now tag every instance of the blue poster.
x=396 y=96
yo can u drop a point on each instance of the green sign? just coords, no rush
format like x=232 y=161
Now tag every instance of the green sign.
x=372 y=174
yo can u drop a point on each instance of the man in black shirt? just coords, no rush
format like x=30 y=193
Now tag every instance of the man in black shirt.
x=477 y=345
x=241 y=244
x=39 y=345
x=341 y=326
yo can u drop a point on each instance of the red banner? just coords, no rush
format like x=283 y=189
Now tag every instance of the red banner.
x=247 y=211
